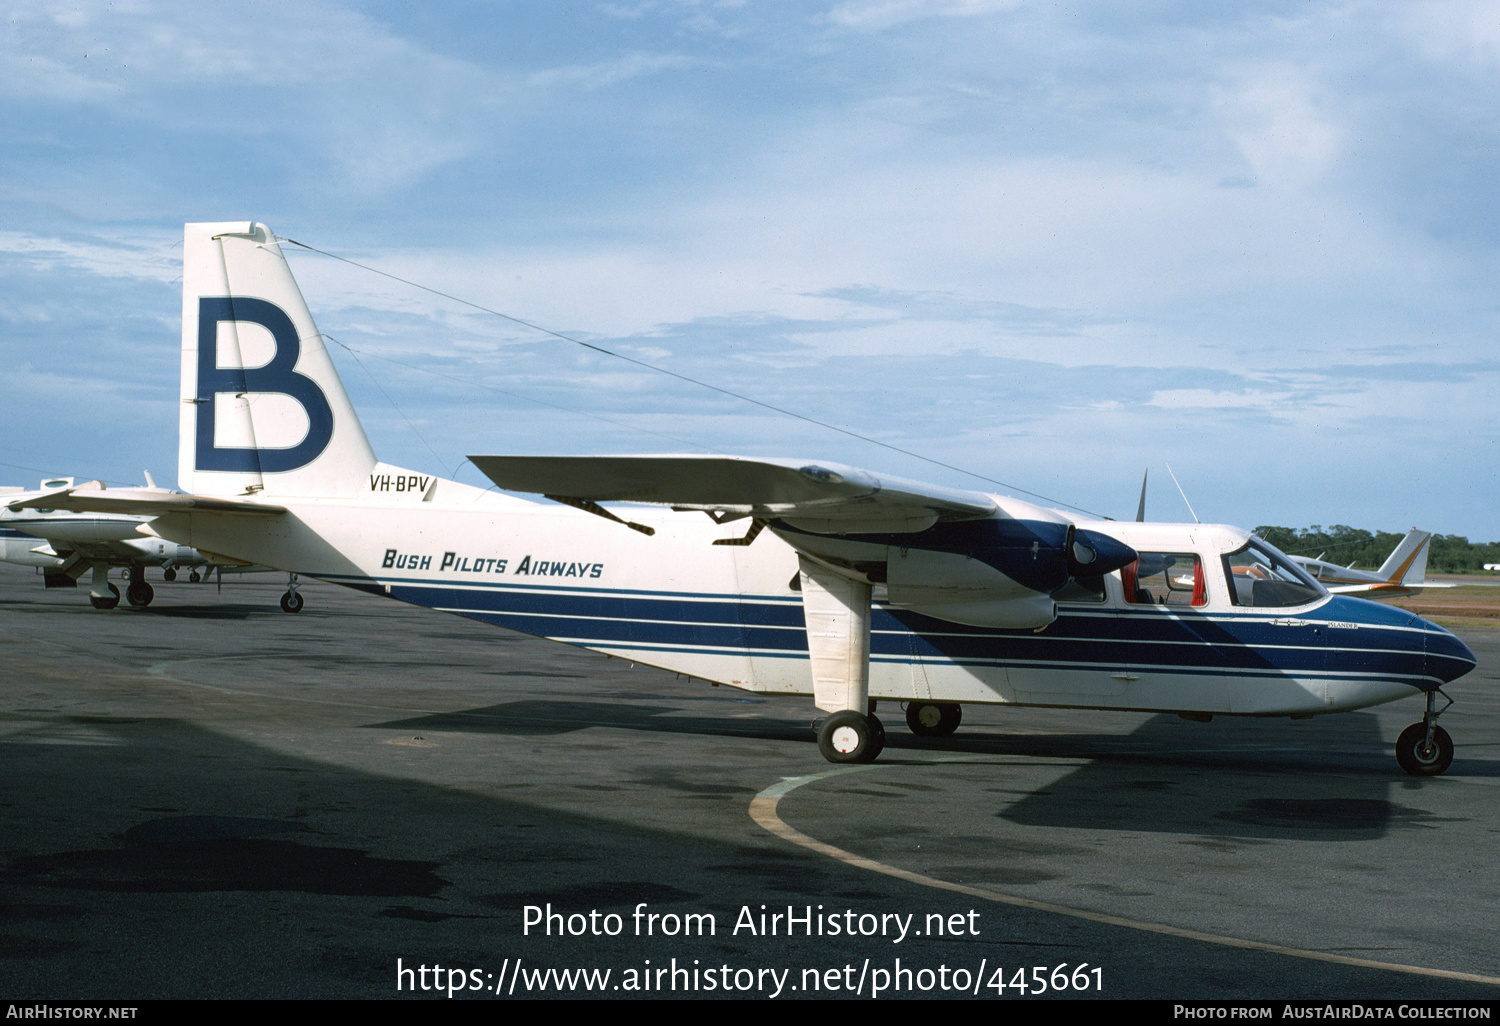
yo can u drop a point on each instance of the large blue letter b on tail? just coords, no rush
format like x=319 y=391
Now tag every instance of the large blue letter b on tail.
x=276 y=376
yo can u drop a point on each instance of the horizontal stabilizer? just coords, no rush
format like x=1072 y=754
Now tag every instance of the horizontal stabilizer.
x=1384 y=589
x=826 y=498
x=149 y=502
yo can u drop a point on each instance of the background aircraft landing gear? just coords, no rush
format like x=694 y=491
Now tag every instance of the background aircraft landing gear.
x=933 y=719
x=1425 y=749
x=169 y=574
x=194 y=576
x=291 y=602
x=139 y=593
x=851 y=737
x=102 y=594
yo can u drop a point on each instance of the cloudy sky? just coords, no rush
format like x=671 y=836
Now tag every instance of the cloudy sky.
x=1050 y=244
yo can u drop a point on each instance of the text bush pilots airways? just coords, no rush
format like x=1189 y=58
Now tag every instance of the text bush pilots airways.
x=805 y=579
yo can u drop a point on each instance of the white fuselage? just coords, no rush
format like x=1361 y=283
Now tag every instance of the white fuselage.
x=731 y=614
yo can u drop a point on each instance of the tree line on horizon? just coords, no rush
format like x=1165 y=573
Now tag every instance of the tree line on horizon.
x=1342 y=544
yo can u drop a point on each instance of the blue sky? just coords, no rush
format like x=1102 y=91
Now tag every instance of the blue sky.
x=1053 y=244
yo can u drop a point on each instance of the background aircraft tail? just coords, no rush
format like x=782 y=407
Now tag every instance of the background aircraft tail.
x=263 y=409
x=1408 y=564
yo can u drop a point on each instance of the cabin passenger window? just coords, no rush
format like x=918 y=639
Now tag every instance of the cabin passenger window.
x=1262 y=577
x=1165 y=579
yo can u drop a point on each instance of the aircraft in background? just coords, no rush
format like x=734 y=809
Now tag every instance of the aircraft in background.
x=1403 y=573
x=805 y=577
x=68 y=545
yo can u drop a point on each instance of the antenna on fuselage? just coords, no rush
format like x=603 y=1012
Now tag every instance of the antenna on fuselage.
x=1140 y=511
x=1183 y=494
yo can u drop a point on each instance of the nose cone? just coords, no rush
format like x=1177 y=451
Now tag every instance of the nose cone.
x=1094 y=553
x=1446 y=657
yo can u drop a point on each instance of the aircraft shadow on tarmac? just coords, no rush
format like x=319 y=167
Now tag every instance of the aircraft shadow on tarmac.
x=226 y=853
x=1324 y=781
x=133 y=891
x=537 y=717
x=1328 y=782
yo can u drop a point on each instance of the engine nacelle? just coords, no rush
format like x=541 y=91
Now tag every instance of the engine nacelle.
x=999 y=572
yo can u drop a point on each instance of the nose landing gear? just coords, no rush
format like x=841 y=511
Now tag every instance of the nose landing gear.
x=291 y=602
x=1425 y=749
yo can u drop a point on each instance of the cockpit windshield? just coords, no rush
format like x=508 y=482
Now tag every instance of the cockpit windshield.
x=1260 y=576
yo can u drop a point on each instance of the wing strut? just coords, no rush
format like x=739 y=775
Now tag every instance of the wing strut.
x=756 y=526
x=590 y=506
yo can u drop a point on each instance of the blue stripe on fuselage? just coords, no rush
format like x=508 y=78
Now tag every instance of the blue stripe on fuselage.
x=1386 y=643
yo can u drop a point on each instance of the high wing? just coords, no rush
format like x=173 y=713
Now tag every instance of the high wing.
x=94 y=497
x=820 y=497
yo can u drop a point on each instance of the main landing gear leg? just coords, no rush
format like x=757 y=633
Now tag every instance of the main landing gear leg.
x=1425 y=749
x=102 y=594
x=291 y=602
x=138 y=593
x=837 y=611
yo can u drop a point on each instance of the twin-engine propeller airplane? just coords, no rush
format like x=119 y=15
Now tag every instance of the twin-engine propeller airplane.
x=804 y=578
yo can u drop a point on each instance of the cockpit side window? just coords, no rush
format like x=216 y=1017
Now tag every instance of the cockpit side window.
x=1165 y=579
x=1262 y=577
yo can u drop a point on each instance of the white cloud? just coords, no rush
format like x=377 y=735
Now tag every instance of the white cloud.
x=608 y=73
x=1449 y=30
x=873 y=15
x=1205 y=399
x=144 y=259
x=1278 y=117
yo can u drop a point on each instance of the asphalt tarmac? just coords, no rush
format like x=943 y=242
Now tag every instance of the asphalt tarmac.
x=212 y=798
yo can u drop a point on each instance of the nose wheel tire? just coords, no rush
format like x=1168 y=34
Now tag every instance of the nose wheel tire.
x=1419 y=758
x=106 y=601
x=850 y=737
x=291 y=602
x=933 y=719
x=194 y=577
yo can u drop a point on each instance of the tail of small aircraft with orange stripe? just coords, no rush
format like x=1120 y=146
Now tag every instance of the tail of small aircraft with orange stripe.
x=1403 y=573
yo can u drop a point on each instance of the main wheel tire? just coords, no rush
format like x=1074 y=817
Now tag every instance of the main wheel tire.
x=1417 y=758
x=140 y=594
x=106 y=602
x=933 y=719
x=291 y=603
x=877 y=738
x=846 y=737
x=194 y=577
x=169 y=575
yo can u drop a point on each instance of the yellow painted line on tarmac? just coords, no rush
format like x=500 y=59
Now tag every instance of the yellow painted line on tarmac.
x=763 y=812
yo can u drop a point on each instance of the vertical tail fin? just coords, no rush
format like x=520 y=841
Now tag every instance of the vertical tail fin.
x=263 y=409
x=1408 y=564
